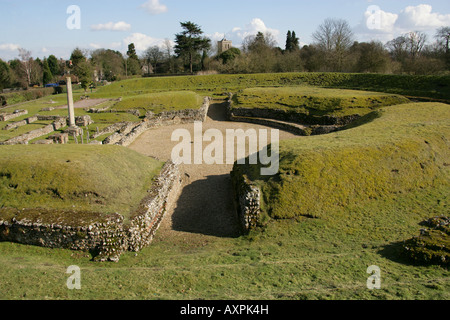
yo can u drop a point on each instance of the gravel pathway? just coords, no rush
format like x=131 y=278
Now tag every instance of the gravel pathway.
x=204 y=208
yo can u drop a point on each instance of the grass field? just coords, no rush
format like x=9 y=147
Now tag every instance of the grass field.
x=74 y=177
x=292 y=260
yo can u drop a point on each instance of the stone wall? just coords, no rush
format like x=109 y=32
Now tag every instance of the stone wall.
x=35 y=227
x=59 y=123
x=180 y=116
x=146 y=220
x=125 y=137
x=15 y=114
x=25 y=138
x=326 y=123
x=106 y=236
x=247 y=200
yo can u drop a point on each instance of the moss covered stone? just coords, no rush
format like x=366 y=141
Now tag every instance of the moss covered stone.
x=432 y=246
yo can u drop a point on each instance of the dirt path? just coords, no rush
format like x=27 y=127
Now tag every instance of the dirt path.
x=204 y=208
x=86 y=103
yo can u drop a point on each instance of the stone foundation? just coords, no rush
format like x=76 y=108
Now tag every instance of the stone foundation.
x=296 y=123
x=247 y=200
x=15 y=114
x=106 y=236
x=127 y=134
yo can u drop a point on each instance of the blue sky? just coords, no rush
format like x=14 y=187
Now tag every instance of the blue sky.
x=41 y=26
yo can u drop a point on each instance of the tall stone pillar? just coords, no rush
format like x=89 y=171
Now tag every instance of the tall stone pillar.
x=70 y=103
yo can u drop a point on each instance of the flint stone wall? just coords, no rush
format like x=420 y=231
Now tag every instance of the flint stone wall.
x=247 y=200
x=327 y=123
x=126 y=136
x=59 y=123
x=106 y=236
x=15 y=125
x=15 y=114
x=25 y=138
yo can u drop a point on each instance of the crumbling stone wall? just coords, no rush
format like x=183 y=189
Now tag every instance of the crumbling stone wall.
x=106 y=236
x=15 y=114
x=59 y=123
x=126 y=136
x=25 y=138
x=247 y=200
x=313 y=124
x=147 y=218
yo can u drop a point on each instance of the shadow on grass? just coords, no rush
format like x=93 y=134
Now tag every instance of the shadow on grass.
x=206 y=207
x=396 y=252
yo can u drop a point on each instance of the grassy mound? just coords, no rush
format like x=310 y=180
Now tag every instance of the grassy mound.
x=163 y=101
x=314 y=101
x=404 y=148
x=103 y=179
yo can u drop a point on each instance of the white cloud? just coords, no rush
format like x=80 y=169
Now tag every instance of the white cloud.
x=111 y=26
x=154 y=7
x=238 y=34
x=95 y=45
x=142 y=41
x=421 y=17
x=251 y=29
x=9 y=47
x=384 y=26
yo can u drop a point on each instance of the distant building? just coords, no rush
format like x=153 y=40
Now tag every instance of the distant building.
x=224 y=45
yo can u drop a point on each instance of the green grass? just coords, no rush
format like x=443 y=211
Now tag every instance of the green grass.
x=403 y=149
x=437 y=87
x=315 y=101
x=158 y=102
x=292 y=260
x=104 y=179
x=325 y=257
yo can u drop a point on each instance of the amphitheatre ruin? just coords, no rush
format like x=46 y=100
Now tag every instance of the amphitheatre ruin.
x=221 y=200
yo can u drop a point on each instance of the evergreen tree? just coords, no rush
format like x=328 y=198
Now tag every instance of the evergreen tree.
x=5 y=75
x=47 y=75
x=133 y=65
x=53 y=64
x=289 y=41
x=190 y=42
x=292 y=42
x=295 y=41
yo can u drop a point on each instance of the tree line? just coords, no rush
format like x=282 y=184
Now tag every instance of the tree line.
x=334 y=49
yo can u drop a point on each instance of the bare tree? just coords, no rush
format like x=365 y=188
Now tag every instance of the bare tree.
x=324 y=35
x=169 y=52
x=335 y=37
x=152 y=57
x=398 y=48
x=27 y=63
x=259 y=42
x=416 y=41
x=443 y=38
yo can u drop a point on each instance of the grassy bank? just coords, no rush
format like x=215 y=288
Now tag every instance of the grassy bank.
x=314 y=101
x=403 y=149
x=103 y=179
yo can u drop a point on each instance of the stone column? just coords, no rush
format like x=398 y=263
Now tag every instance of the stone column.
x=70 y=103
